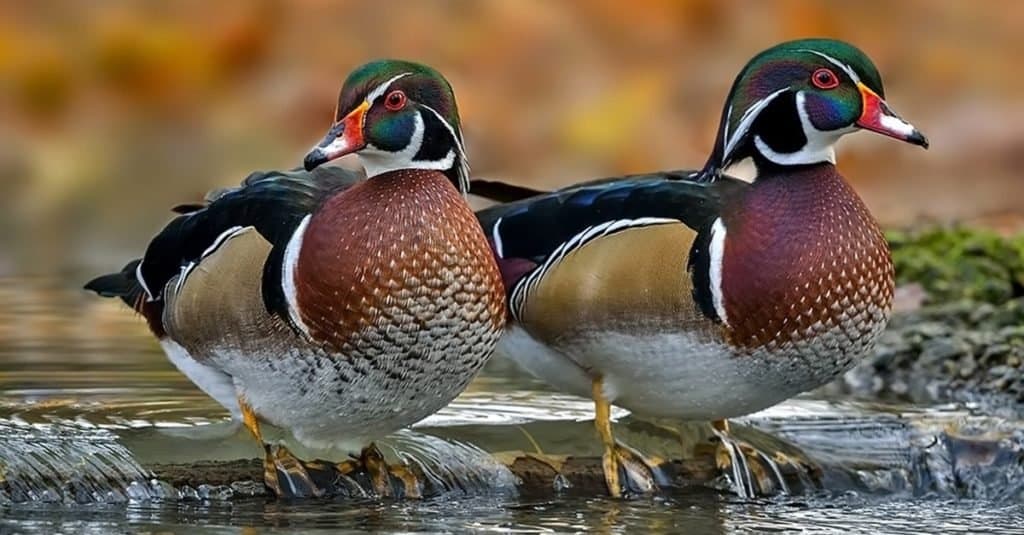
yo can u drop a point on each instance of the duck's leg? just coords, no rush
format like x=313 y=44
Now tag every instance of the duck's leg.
x=382 y=475
x=280 y=466
x=253 y=425
x=637 y=472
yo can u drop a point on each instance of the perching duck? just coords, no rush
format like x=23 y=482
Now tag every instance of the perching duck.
x=337 y=309
x=698 y=296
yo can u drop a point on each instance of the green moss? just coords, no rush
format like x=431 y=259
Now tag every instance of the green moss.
x=960 y=263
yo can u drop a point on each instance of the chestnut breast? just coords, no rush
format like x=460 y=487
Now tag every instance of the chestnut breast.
x=399 y=256
x=804 y=260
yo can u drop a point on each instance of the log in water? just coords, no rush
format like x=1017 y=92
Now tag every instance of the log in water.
x=952 y=455
x=534 y=474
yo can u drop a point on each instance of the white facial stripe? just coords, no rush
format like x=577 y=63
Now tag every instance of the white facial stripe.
x=380 y=89
x=747 y=120
x=846 y=68
x=457 y=138
x=288 y=265
x=716 y=249
x=896 y=125
x=819 y=146
x=377 y=161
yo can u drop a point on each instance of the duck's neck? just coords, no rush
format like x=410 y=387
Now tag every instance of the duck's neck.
x=786 y=206
x=447 y=159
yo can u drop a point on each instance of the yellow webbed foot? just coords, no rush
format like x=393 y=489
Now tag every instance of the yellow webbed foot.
x=391 y=481
x=290 y=477
x=283 y=473
x=625 y=469
x=631 y=471
x=410 y=482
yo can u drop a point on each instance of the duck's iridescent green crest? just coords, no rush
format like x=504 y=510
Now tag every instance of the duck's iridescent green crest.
x=397 y=115
x=792 y=102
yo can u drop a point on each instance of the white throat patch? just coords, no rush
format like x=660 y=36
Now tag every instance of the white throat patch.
x=377 y=161
x=820 y=146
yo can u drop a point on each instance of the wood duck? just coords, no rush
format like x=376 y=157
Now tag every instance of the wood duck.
x=338 y=309
x=695 y=295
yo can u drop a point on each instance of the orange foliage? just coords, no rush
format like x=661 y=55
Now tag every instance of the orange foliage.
x=113 y=111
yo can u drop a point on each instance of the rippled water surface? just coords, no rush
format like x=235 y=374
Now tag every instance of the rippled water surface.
x=81 y=379
x=697 y=513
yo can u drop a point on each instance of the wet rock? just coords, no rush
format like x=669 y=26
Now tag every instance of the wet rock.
x=998 y=351
x=214 y=492
x=982 y=312
x=959 y=350
x=138 y=491
x=187 y=493
x=936 y=350
x=248 y=488
x=967 y=367
x=1013 y=334
x=929 y=331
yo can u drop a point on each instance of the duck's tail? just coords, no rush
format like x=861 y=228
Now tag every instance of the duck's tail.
x=122 y=284
x=125 y=286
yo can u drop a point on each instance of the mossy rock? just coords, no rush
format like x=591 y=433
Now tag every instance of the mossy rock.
x=954 y=263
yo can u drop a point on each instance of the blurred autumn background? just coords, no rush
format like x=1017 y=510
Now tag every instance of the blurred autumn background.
x=114 y=111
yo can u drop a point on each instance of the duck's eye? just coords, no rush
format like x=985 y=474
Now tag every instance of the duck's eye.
x=395 y=100
x=824 y=78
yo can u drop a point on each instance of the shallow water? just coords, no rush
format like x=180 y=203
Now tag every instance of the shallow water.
x=81 y=379
x=693 y=513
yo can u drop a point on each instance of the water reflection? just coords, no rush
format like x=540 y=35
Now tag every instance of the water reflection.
x=691 y=513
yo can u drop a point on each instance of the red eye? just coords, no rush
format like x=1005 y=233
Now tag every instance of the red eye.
x=824 y=79
x=395 y=100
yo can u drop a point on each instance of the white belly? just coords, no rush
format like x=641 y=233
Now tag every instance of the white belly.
x=543 y=362
x=672 y=375
x=213 y=382
x=330 y=402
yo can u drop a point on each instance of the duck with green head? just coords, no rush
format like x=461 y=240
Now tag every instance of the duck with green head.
x=694 y=295
x=335 y=308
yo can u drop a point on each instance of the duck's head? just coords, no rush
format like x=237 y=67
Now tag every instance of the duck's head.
x=396 y=115
x=792 y=102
